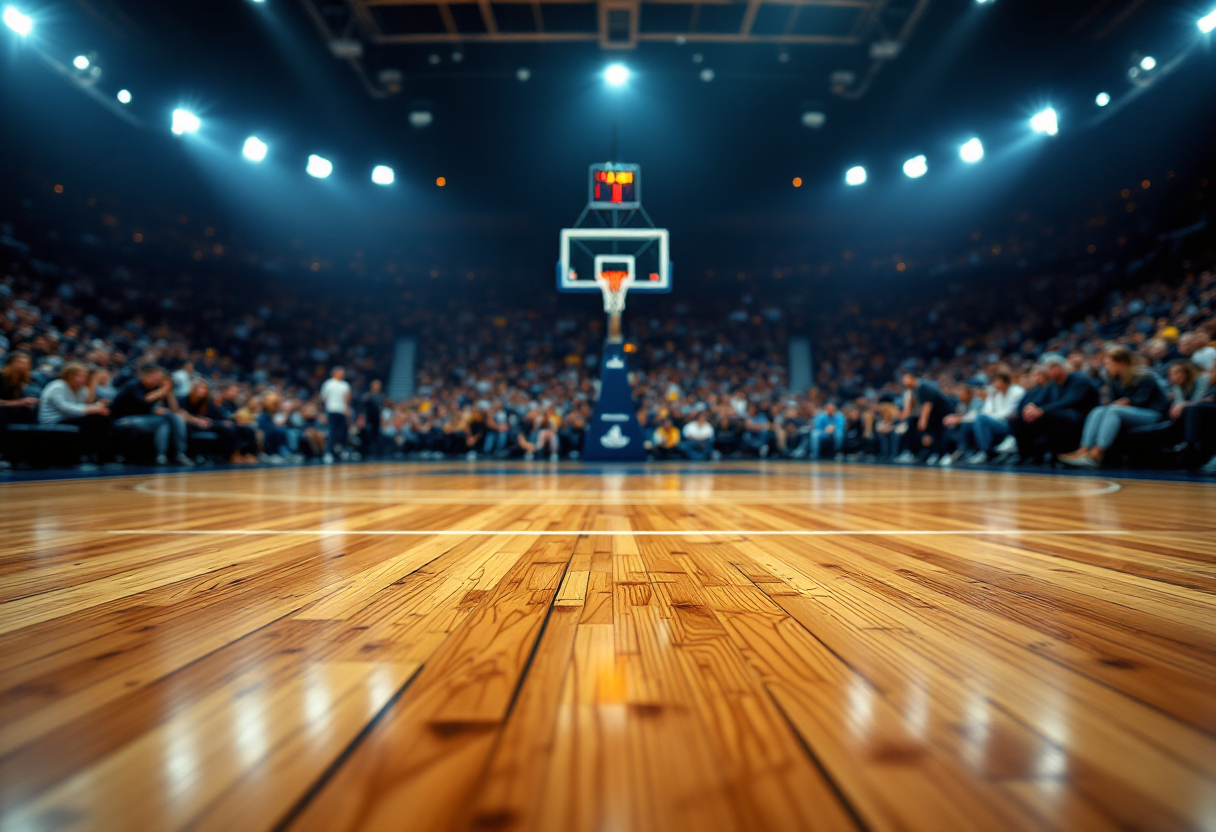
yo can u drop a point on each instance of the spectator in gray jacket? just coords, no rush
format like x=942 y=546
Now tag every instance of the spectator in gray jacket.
x=67 y=401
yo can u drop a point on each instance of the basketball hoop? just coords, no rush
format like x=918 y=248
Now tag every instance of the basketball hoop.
x=614 y=285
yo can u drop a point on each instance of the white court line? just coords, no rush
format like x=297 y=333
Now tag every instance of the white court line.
x=652 y=533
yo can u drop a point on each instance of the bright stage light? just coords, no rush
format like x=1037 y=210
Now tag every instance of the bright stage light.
x=971 y=151
x=855 y=176
x=382 y=175
x=254 y=149
x=1103 y=99
x=185 y=121
x=124 y=96
x=319 y=167
x=80 y=62
x=1148 y=63
x=916 y=167
x=617 y=75
x=1208 y=22
x=1045 y=122
x=20 y=23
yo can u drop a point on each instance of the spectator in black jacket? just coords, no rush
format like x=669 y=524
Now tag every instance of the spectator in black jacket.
x=1136 y=398
x=1053 y=419
x=146 y=405
x=1198 y=421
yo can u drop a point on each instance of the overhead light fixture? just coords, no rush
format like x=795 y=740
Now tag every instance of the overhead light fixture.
x=885 y=50
x=420 y=119
x=814 y=119
x=185 y=121
x=971 y=151
x=855 y=176
x=1102 y=99
x=1148 y=63
x=20 y=23
x=254 y=149
x=1045 y=122
x=616 y=75
x=382 y=175
x=81 y=62
x=346 y=48
x=916 y=167
x=124 y=96
x=523 y=74
x=319 y=166
x=1208 y=22
x=707 y=75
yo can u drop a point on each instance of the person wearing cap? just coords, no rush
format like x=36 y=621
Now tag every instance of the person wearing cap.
x=1053 y=423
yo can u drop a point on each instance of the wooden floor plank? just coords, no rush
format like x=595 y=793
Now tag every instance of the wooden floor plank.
x=748 y=646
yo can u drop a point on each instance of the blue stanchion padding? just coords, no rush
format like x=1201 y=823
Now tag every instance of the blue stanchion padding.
x=614 y=434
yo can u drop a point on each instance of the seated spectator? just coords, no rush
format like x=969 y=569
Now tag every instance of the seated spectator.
x=539 y=436
x=1136 y=399
x=887 y=426
x=665 y=441
x=497 y=433
x=1198 y=420
x=146 y=405
x=697 y=441
x=202 y=415
x=828 y=431
x=1052 y=422
x=271 y=423
x=791 y=434
x=1187 y=386
x=757 y=432
x=925 y=411
x=16 y=407
x=68 y=401
x=371 y=405
x=990 y=424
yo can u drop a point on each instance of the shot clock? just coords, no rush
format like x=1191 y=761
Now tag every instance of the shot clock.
x=615 y=186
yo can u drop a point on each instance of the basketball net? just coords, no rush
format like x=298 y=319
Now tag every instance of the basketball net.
x=614 y=285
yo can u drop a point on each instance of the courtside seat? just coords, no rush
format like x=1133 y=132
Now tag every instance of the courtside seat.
x=43 y=445
x=134 y=446
x=203 y=443
x=1143 y=447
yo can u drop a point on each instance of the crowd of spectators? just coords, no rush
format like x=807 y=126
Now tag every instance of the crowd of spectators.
x=105 y=366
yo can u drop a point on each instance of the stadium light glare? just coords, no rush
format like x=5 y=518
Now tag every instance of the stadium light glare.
x=1103 y=99
x=81 y=62
x=254 y=149
x=616 y=75
x=1207 y=23
x=124 y=96
x=20 y=23
x=855 y=176
x=382 y=175
x=1045 y=122
x=185 y=121
x=1148 y=63
x=971 y=151
x=319 y=166
x=916 y=167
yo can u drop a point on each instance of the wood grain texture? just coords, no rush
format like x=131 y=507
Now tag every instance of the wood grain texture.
x=751 y=646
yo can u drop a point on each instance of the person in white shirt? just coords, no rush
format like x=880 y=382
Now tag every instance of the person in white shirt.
x=66 y=401
x=335 y=398
x=698 y=437
x=989 y=426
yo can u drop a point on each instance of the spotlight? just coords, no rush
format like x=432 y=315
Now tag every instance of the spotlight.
x=20 y=23
x=319 y=167
x=1206 y=23
x=382 y=175
x=855 y=176
x=971 y=151
x=813 y=119
x=185 y=121
x=617 y=75
x=1045 y=122
x=983 y=2
x=1148 y=63
x=1103 y=99
x=80 y=62
x=420 y=119
x=707 y=75
x=916 y=167
x=523 y=74
x=254 y=149
x=124 y=96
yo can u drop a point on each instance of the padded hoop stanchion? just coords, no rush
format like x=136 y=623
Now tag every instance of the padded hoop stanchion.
x=614 y=285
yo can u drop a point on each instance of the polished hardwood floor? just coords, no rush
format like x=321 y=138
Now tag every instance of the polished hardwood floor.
x=752 y=646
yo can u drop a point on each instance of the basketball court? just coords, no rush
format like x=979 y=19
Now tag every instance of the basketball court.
x=738 y=646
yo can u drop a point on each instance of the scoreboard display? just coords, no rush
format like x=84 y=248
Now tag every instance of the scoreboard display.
x=615 y=186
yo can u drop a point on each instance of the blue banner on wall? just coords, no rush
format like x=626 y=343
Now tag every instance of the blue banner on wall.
x=614 y=434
